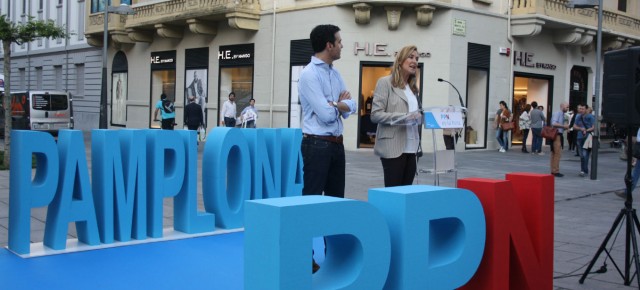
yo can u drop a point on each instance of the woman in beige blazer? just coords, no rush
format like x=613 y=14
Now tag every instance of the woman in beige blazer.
x=395 y=96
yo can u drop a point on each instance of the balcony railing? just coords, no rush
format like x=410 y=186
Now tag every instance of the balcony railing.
x=617 y=22
x=199 y=15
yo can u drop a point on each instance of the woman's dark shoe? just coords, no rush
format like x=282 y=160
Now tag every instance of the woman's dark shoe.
x=314 y=267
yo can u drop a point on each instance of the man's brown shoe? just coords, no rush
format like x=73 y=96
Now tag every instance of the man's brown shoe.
x=314 y=267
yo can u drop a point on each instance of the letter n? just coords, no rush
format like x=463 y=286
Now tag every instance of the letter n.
x=519 y=247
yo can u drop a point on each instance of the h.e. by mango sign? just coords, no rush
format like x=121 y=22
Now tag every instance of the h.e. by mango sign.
x=489 y=234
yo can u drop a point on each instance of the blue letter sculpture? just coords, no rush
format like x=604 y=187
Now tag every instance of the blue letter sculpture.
x=278 y=238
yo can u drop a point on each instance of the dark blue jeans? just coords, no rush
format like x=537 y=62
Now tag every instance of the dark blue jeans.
x=229 y=122
x=584 y=155
x=525 y=135
x=536 y=142
x=324 y=167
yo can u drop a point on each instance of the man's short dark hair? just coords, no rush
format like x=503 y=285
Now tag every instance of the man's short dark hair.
x=232 y=93
x=322 y=34
x=534 y=105
x=252 y=99
x=163 y=96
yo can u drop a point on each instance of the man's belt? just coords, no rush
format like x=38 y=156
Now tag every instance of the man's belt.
x=333 y=139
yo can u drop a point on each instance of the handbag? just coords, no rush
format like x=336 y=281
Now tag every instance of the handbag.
x=506 y=126
x=549 y=132
x=202 y=134
x=588 y=142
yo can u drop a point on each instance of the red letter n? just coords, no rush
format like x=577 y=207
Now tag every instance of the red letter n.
x=519 y=246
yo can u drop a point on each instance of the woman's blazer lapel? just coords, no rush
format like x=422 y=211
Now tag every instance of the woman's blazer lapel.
x=400 y=93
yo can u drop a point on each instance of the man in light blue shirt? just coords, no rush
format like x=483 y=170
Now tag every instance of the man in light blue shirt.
x=325 y=102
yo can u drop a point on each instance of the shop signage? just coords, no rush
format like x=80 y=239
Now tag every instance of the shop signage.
x=163 y=59
x=236 y=54
x=459 y=27
x=378 y=49
x=375 y=49
x=157 y=60
x=525 y=59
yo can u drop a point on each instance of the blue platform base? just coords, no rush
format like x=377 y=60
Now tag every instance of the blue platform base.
x=208 y=262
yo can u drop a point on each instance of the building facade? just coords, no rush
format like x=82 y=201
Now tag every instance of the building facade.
x=491 y=50
x=59 y=64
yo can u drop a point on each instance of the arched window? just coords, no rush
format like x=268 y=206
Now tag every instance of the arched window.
x=119 y=73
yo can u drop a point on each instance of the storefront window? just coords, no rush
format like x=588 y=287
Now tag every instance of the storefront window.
x=475 y=130
x=196 y=77
x=295 y=111
x=369 y=74
x=478 y=69
x=300 y=55
x=236 y=75
x=119 y=88
x=238 y=80
x=162 y=82
x=528 y=89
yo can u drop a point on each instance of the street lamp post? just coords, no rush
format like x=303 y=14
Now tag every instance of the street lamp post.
x=596 y=103
x=122 y=10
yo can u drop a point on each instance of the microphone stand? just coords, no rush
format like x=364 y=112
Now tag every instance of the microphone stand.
x=464 y=112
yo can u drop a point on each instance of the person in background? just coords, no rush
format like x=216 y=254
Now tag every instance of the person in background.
x=537 y=121
x=525 y=125
x=228 y=112
x=325 y=103
x=635 y=172
x=583 y=126
x=167 y=110
x=193 y=117
x=249 y=115
x=502 y=116
x=571 y=134
x=557 y=121
x=396 y=96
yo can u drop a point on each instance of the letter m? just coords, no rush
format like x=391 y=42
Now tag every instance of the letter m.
x=519 y=246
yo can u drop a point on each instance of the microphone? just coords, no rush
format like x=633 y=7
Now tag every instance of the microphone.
x=454 y=87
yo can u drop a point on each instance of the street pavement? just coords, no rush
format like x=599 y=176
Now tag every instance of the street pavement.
x=585 y=209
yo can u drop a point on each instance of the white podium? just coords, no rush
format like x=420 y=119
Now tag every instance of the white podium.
x=438 y=118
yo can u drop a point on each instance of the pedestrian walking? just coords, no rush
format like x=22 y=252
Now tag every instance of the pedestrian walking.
x=537 y=121
x=525 y=125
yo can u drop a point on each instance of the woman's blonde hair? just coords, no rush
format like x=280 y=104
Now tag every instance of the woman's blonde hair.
x=396 y=70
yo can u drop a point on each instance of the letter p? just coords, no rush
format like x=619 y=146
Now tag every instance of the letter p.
x=25 y=194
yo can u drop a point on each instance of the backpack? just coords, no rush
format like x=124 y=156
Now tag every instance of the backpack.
x=167 y=106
